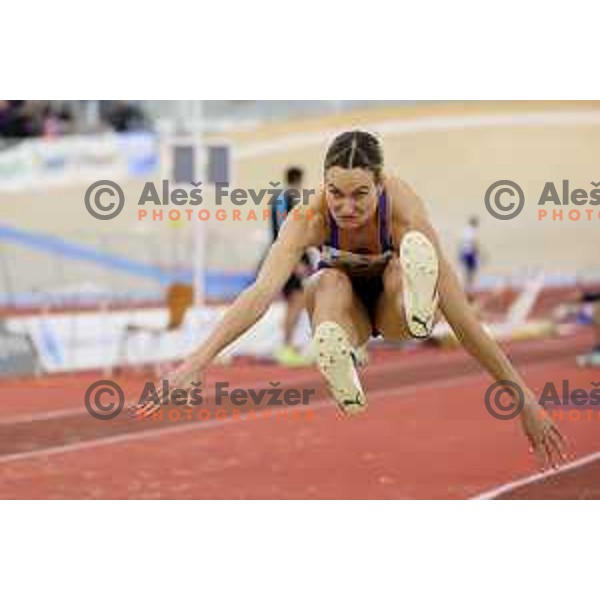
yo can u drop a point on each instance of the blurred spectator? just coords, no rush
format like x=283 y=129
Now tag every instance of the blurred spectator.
x=32 y=118
x=470 y=255
x=36 y=118
x=123 y=115
x=4 y=115
x=57 y=121
x=14 y=119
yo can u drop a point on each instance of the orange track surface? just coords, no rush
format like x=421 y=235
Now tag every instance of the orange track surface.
x=426 y=435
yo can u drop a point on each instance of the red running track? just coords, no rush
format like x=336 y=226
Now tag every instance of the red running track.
x=426 y=434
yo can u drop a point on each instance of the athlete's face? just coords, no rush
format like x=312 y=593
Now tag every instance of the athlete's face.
x=351 y=196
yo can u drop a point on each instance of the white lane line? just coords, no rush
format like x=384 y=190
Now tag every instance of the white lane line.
x=320 y=404
x=310 y=377
x=324 y=403
x=374 y=368
x=518 y=483
x=66 y=412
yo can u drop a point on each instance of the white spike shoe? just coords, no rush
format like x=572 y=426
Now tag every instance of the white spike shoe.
x=420 y=272
x=336 y=359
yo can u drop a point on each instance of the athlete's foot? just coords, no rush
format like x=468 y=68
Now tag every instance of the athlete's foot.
x=420 y=271
x=288 y=356
x=337 y=362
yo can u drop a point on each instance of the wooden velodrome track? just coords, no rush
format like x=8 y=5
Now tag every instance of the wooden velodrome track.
x=450 y=152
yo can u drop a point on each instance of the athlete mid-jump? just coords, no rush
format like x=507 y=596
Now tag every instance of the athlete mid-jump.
x=382 y=272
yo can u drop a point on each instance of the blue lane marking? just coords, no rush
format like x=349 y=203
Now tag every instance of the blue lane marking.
x=218 y=285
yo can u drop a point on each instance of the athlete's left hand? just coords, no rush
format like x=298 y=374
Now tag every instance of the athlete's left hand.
x=545 y=439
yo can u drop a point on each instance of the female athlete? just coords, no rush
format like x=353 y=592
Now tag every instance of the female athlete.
x=382 y=272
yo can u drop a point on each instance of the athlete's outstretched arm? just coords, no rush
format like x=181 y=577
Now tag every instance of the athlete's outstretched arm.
x=543 y=435
x=297 y=233
x=545 y=439
x=282 y=258
x=248 y=308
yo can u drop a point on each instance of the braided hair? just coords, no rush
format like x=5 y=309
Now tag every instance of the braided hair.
x=356 y=150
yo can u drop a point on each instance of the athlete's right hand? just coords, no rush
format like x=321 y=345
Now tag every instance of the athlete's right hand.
x=186 y=376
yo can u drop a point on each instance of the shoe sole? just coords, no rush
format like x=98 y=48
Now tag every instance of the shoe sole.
x=335 y=360
x=420 y=272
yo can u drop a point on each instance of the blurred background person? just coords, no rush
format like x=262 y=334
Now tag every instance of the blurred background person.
x=470 y=255
x=16 y=120
x=591 y=297
x=123 y=116
x=56 y=120
x=34 y=118
x=593 y=358
x=293 y=292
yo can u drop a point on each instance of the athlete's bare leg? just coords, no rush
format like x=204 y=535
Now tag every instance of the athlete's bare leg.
x=340 y=323
x=329 y=297
x=293 y=310
x=389 y=314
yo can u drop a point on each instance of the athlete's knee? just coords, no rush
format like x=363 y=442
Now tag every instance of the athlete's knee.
x=333 y=287
x=333 y=281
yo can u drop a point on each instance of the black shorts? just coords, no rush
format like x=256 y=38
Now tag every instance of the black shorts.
x=292 y=285
x=369 y=290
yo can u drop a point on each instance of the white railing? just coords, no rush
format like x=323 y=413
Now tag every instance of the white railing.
x=40 y=163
